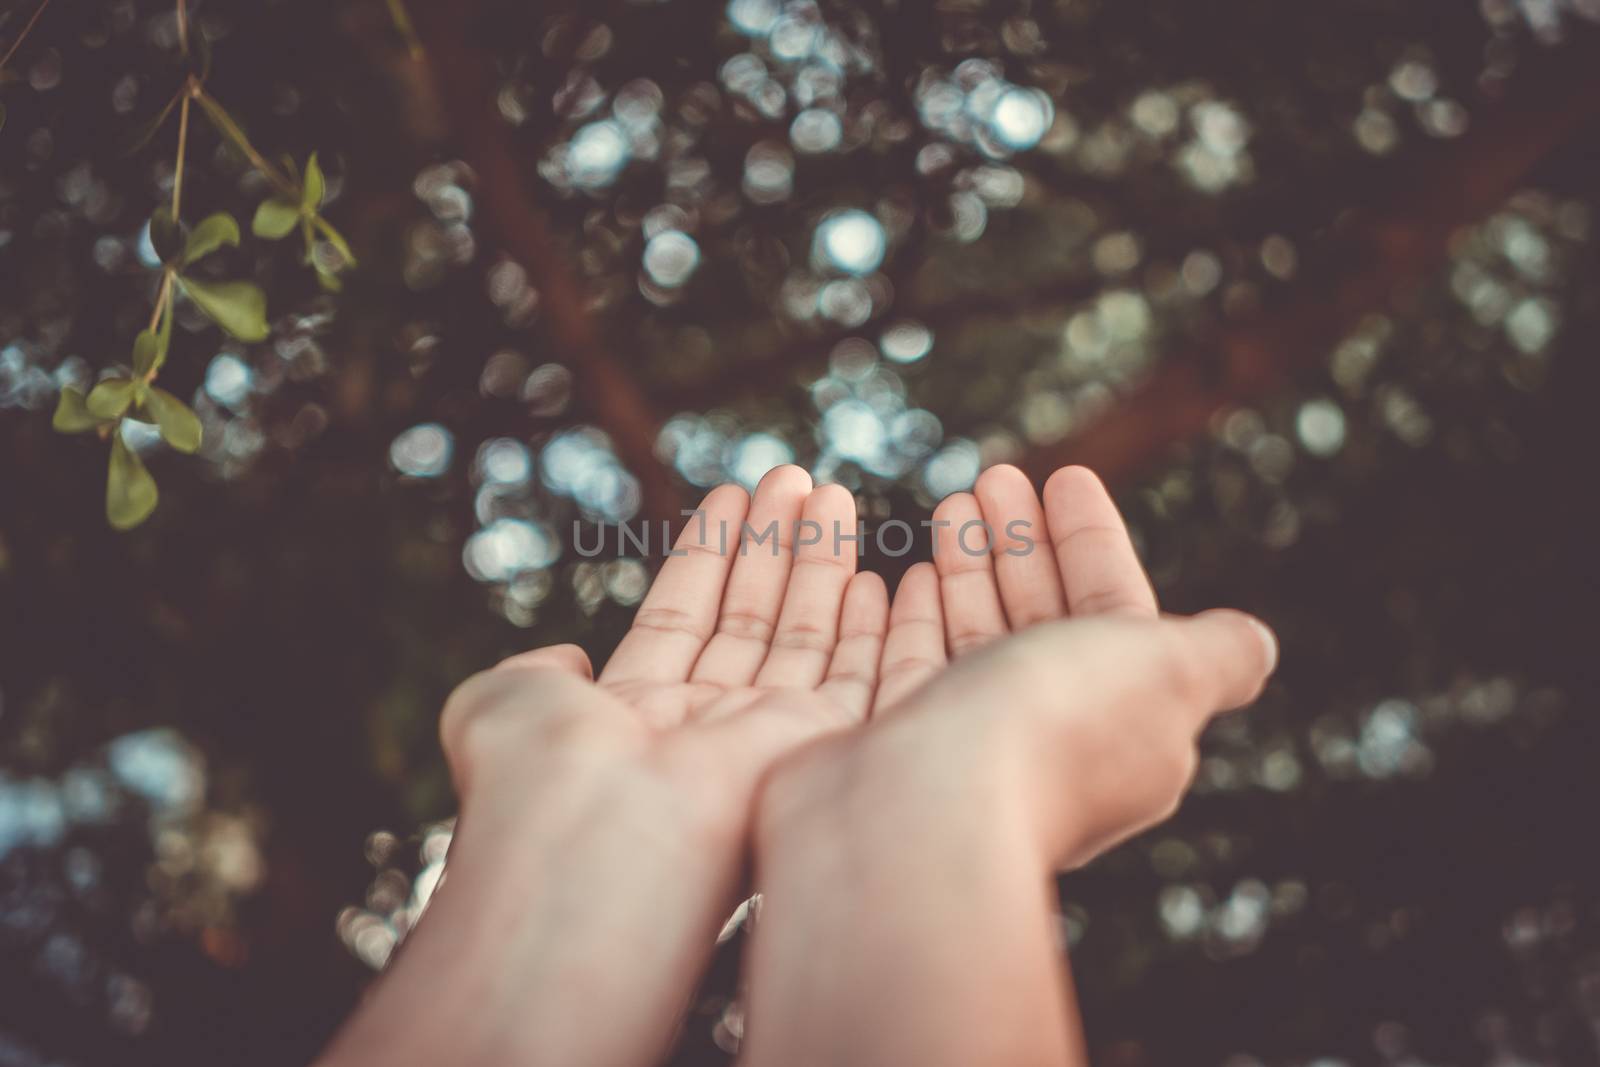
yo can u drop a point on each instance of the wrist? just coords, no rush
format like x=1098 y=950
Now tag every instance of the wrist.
x=542 y=883
x=890 y=787
x=561 y=803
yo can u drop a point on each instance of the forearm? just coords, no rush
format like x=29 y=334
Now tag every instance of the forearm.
x=569 y=931
x=904 y=926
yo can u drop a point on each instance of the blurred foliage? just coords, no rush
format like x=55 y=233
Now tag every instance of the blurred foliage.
x=238 y=307
x=1314 y=284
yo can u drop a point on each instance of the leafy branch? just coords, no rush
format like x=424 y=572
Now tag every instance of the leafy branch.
x=238 y=307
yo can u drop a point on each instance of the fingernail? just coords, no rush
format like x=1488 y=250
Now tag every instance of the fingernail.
x=1268 y=639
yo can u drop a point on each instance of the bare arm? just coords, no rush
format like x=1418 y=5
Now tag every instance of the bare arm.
x=605 y=824
x=906 y=870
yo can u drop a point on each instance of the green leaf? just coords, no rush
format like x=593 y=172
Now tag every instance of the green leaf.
x=315 y=185
x=274 y=219
x=150 y=347
x=110 y=398
x=180 y=427
x=72 y=414
x=329 y=280
x=212 y=233
x=166 y=236
x=223 y=121
x=238 y=307
x=130 y=491
x=146 y=348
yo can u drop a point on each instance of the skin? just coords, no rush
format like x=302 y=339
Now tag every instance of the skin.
x=1053 y=715
x=965 y=742
x=638 y=786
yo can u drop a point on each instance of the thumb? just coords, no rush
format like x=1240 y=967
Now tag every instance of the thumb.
x=569 y=658
x=487 y=713
x=1239 y=652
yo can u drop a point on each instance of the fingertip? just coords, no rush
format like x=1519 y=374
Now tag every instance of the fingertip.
x=1004 y=493
x=1000 y=475
x=1251 y=653
x=955 y=504
x=725 y=506
x=787 y=478
x=870 y=583
x=876 y=592
x=831 y=496
x=729 y=495
x=1269 y=644
x=866 y=603
x=956 y=547
x=1072 y=480
x=919 y=577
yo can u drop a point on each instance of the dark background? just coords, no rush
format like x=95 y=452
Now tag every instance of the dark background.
x=1345 y=378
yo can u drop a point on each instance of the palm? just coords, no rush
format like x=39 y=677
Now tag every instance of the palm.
x=767 y=644
x=735 y=629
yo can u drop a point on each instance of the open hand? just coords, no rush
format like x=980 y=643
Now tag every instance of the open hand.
x=1034 y=668
x=746 y=645
x=1034 y=710
x=615 y=812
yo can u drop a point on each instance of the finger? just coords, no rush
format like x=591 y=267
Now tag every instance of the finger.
x=808 y=624
x=680 y=611
x=1099 y=568
x=913 y=648
x=961 y=551
x=1151 y=676
x=569 y=658
x=1024 y=565
x=1232 y=656
x=754 y=595
x=853 y=672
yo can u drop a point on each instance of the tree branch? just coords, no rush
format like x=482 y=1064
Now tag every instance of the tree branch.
x=465 y=80
x=1357 y=270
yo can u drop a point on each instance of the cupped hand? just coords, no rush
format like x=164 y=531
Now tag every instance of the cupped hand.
x=1029 y=664
x=639 y=786
x=757 y=635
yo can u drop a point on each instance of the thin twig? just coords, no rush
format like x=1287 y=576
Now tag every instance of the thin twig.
x=1387 y=251
x=183 y=143
x=23 y=36
x=224 y=122
x=163 y=307
x=164 y=295
x=183 y=26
